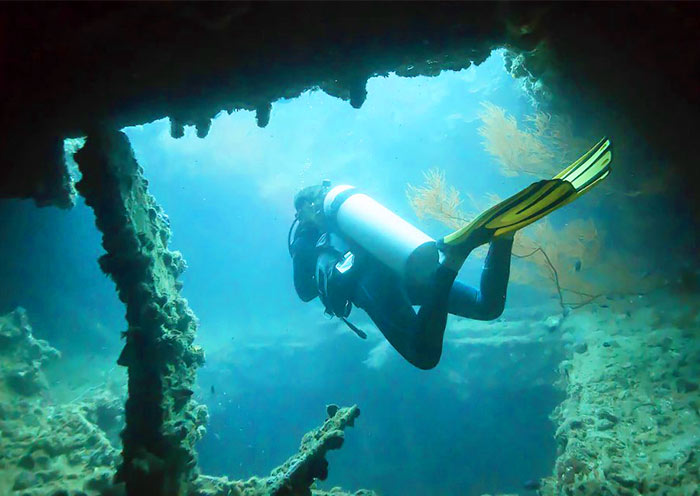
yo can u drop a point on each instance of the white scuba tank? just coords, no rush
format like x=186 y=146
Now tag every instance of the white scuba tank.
x=404 y=248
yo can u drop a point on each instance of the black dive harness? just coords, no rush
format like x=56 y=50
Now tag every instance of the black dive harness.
x=334 y=275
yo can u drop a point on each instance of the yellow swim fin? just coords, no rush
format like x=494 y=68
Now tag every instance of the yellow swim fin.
x=536 y=201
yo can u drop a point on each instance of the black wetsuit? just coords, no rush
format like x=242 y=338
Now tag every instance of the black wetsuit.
x=375 y=288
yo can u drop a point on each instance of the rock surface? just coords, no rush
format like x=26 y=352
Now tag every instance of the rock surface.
x=630 y=423
x=45 y=447
x=194 y=60
x=22 y=356
x=71 y=449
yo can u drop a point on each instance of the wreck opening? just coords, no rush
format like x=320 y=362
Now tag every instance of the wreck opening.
x=89 y=72
x=268 y=352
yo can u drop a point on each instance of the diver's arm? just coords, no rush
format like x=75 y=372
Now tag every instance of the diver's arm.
x=303 y=251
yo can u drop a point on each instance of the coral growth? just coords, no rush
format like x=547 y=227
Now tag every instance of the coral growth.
x=22 y=356
x=68 y=449
x=437 y=200
x=630 y=424
x=546 y=144
x=540 y=149
x=162 y=422
x=295 y=476
x=104 y=409
x=568 y=258
x=47 y=448
x=571 y=258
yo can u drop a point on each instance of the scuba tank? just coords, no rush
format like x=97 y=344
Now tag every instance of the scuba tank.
x=404 y=248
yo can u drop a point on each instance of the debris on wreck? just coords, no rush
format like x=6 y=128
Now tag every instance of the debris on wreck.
x=630 y=423
x=296 y=476
x=48 y=448
x=22 y=355
x=163 y=423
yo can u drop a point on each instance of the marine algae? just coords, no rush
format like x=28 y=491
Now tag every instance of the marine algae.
x=569 y=257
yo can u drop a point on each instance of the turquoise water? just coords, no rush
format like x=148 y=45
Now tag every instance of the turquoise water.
x=477 y=423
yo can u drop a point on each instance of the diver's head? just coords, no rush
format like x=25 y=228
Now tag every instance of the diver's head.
x=308 y=203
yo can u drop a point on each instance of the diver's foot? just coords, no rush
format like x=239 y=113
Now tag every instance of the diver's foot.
x=507 y=236
x=455 y=255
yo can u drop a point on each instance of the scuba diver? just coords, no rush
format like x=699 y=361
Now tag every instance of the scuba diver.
x=349 y=249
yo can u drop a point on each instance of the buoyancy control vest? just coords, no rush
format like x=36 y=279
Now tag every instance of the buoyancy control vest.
x=335 y=276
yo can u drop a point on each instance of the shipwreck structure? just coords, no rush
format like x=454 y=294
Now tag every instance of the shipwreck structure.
x=72 y=70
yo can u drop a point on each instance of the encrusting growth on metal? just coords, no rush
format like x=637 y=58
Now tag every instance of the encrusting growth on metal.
x=163 y=423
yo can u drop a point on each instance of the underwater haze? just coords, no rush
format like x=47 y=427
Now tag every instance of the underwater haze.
x=273 y=362
x=485 y=419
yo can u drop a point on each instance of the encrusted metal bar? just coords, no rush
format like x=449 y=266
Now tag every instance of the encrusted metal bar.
x=162 y=421
x=296 y=476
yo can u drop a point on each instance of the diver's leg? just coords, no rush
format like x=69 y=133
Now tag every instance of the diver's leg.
x=417 y=337
x=488 y=302
x=433 y=312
